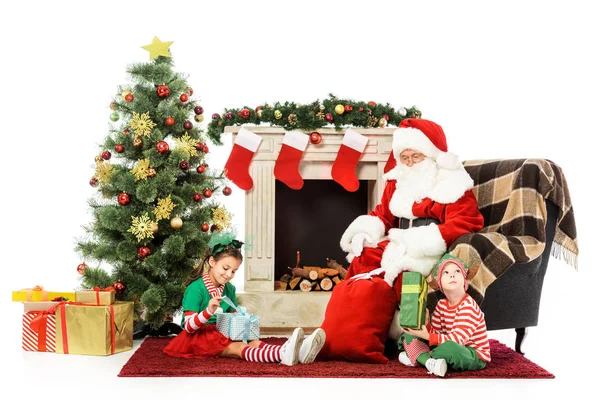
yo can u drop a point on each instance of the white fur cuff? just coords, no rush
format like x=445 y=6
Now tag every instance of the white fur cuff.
x=424 y=241
x=368 y=224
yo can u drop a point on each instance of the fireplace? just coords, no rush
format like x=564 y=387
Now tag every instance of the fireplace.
x=271 y=207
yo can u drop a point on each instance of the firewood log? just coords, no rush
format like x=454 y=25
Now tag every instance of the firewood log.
x=286 y=278
x=334 y=264
x=301 y=272
x=316 y=287
x=336 y=280
x=326 y=284
x=330 y=272
x=306 y=285
x=281 y=285
x=314 y=272
x=294 y=282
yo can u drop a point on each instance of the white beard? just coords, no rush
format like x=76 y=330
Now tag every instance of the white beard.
x=413 y=184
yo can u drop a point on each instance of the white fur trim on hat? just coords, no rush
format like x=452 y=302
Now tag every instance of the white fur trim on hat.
x=414 y=139
x=447 y=160
x=368 y=224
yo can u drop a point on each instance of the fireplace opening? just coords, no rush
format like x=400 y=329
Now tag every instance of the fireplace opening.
x=312 y=221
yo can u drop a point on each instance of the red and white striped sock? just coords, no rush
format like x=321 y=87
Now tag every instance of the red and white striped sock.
x=267 y=354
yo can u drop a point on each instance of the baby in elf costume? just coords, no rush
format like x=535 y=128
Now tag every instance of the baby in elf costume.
x=456 y=336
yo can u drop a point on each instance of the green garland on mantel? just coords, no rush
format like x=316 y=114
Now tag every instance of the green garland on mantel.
x=309 y=117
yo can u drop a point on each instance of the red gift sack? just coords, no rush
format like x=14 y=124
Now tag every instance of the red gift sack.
x=357 y=319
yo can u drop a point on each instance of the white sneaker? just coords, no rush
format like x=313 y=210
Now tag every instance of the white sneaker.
x=404 y=360
x=311 y=346
x=437 y=366
x=289 y=350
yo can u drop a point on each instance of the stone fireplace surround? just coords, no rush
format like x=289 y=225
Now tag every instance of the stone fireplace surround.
x=288 y=309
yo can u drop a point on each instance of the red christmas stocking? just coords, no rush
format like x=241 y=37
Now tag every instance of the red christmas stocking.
x=344 y=166
x=238 y=163
x=286 y=166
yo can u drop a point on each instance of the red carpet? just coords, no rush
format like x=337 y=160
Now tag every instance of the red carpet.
x=150 y=361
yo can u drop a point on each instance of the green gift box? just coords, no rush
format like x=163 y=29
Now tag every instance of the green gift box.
x=413 y=301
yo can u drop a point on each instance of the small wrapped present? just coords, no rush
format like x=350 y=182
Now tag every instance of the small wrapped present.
x=96 y=296
x=37 y=293
x=413 y=301
x=94 y=330
x=39 y=327
x=238 y=326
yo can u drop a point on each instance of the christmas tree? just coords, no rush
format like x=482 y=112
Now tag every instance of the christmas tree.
x=154 y=209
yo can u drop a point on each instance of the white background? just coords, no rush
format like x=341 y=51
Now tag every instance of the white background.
x=507 y=79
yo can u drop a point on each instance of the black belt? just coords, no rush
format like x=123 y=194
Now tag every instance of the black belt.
x=405 y=222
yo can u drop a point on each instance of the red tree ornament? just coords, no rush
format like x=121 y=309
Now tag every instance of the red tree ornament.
x=170 y=121
x=119 y=148
x=183 y=97
x=129 y=97
x=143 y=252
x=226 y=190
x=93 y=182
x=106 y=155
x=245 y=113
x=162 y=147
x=199 y=146
x=328 y=117
x=207 y=193
x=205 y=149
x=123 y=199
x=315 y=138
x=347 y=108
x=197 y=197
x=81 y=268
x=201 y=169
x=215 y=116
x=163 y=91
x=187 y=125
x=229 y=115
x=214 y=228
x=198 y=110
x=184 y=165
x=189 y=91
x=205 y=227
x=119 y=288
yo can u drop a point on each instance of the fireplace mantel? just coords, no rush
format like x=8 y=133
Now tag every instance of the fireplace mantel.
x=295 y=308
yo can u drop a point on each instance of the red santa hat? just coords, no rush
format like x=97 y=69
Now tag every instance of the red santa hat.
x=425 y=137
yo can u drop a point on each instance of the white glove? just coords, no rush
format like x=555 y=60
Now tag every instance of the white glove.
x=358 y=243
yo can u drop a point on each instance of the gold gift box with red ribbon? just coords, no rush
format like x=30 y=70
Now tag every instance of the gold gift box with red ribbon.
x=96 y=296
x=37 y=293
x=90 y=329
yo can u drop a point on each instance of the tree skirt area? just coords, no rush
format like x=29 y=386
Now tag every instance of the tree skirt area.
x=150 y=361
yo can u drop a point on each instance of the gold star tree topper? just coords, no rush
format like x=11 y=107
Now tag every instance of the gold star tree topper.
x=158 y=48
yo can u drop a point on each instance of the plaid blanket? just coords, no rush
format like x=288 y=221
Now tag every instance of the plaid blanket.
x=511 y=196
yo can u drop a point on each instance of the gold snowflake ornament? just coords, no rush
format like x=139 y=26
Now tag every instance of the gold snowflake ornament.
x=186 y=144
x=140 y=171
x=164 y=208
x=103 y=172
x=221 y=217
x=141 y=227
x=141 y=124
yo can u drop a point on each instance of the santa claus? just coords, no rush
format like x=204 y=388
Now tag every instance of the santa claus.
x=426 y=204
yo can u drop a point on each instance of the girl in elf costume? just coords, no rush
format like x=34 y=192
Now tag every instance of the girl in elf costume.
x=456 y=332
x=205 y=287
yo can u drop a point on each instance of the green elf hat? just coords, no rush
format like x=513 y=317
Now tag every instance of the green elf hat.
x=223 y=240
x=444 y=261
